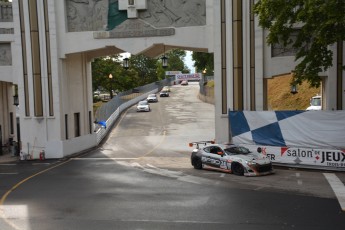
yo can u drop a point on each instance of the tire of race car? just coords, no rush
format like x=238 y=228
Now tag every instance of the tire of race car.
x=237 y=169
x=197 y=163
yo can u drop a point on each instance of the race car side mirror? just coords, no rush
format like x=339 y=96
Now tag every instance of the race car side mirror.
x=259 y=150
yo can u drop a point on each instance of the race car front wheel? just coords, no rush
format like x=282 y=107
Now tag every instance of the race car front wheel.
x=237 y=169
x=197 y=163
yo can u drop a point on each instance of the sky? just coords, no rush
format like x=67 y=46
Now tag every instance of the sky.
x=188 y=61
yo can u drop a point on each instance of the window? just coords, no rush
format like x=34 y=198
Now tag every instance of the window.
x=11 y=123
x=66 y=126
x=215 y=150
x=77 y=124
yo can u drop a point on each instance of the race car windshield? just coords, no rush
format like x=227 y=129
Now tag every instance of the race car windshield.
x=237 y=150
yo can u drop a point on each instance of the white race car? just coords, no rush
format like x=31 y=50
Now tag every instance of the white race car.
x=229 y=158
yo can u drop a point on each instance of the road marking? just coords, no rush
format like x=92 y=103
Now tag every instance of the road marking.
x=3 y=198
x=222 y=175
x=103 y=158
x=299 y=182
x=173 y=221
x=40 y=163
x=338 y=188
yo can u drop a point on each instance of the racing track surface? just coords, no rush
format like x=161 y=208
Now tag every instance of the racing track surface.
x=141 y=178
x=160 y=138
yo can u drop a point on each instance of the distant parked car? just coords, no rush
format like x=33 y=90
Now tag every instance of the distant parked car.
x=152 y=98
x=166 y=88
x=164 y=93
x=135 y=90
x=143 y=106
x=184 y=83
x=315 y=103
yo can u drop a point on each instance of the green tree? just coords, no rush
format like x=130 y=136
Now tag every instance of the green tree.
x=145 y=68
x=320 y=23
x=102 y=68
x=203 y=61
x=175 y=61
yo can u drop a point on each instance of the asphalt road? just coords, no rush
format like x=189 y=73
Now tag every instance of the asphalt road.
x=141 y=178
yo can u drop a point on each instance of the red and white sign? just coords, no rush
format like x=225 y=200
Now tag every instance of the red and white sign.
x=303 y=156
x=190 y=76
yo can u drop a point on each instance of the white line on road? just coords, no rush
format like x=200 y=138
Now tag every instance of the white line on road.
x=222 y=175
x=40 y=163
x=103 y=158
x=338 y=188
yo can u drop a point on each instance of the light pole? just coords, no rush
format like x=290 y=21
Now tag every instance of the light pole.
x=294 y=89
x=111 y=84
x=125 y=63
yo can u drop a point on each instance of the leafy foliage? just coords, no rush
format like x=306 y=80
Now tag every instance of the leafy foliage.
x=203 y=61
x=143 y=70
x=102 y=68
x=175 y=61
x=320 y=24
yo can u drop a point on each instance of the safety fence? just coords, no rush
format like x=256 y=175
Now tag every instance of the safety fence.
x=109 y=112
x=206 y=93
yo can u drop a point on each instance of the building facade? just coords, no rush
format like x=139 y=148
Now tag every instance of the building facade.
x=47 y=48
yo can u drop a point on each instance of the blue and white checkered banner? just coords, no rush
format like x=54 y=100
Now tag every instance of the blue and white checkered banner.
x=294 y=137
x=318 y=129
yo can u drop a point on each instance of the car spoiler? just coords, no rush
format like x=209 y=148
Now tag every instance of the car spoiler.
x=197 y=143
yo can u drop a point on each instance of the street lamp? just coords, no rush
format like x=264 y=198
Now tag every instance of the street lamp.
x=15 y=100
x=111 y=88
x=15 y=95
x=125 y=63
x=294 y=89
x=164 y=61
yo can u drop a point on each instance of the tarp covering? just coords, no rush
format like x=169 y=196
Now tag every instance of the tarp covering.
x=309 y=129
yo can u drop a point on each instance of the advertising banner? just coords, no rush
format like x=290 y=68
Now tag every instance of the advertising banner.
x=314 y=138
x=303 y=156
x=172 y=72
x=191 y=76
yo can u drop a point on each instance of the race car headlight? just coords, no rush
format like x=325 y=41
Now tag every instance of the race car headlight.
x=251 y=162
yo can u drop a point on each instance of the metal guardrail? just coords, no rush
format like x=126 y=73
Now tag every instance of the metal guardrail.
x=110 y=111
x=104 y=112
x=206 y=94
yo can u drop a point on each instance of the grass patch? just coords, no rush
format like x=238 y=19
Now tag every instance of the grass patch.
x=280 y=98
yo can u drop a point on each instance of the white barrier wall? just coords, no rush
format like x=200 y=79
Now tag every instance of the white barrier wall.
x=310 y=138
x=318 y=158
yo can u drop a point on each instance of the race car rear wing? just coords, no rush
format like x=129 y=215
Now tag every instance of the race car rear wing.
x=197 y=143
